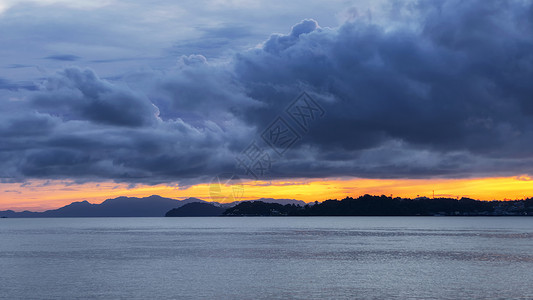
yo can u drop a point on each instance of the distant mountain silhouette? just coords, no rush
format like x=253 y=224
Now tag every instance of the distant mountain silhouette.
x=367 y=205
x=196 y=209
x=153 y=206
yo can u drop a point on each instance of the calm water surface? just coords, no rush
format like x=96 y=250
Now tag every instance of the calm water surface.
x=267 y=258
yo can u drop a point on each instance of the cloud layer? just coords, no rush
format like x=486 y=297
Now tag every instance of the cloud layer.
x=440 y=89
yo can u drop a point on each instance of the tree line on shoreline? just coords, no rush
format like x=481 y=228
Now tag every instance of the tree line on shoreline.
x=369 y=205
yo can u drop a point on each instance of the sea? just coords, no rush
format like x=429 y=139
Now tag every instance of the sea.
x=267 y=258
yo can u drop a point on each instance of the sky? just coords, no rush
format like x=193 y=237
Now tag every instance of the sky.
x=309 y=100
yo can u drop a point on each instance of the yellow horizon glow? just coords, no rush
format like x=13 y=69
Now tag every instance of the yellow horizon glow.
x=39 y=195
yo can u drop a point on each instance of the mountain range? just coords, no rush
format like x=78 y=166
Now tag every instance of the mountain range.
x=152 y=206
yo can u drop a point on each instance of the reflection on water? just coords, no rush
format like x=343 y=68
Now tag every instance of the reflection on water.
x=306 y=257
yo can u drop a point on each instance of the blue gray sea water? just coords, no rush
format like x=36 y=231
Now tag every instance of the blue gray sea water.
x=267 y=258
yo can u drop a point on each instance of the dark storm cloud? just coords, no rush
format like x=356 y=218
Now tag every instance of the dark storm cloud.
x=456 y=83
x=77 y=94
x=199 y=90
x=125 y=141
x=441 y=89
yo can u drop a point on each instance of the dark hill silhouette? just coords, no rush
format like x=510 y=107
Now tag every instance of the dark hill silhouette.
x=153 y=206
x=196 y=209
x=368 y=205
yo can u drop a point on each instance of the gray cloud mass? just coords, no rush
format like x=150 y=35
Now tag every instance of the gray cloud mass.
x=446 y=94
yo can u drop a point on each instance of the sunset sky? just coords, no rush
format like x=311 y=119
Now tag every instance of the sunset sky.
x=307 y=100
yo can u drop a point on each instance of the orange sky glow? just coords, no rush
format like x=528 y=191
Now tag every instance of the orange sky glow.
x=39 y=195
